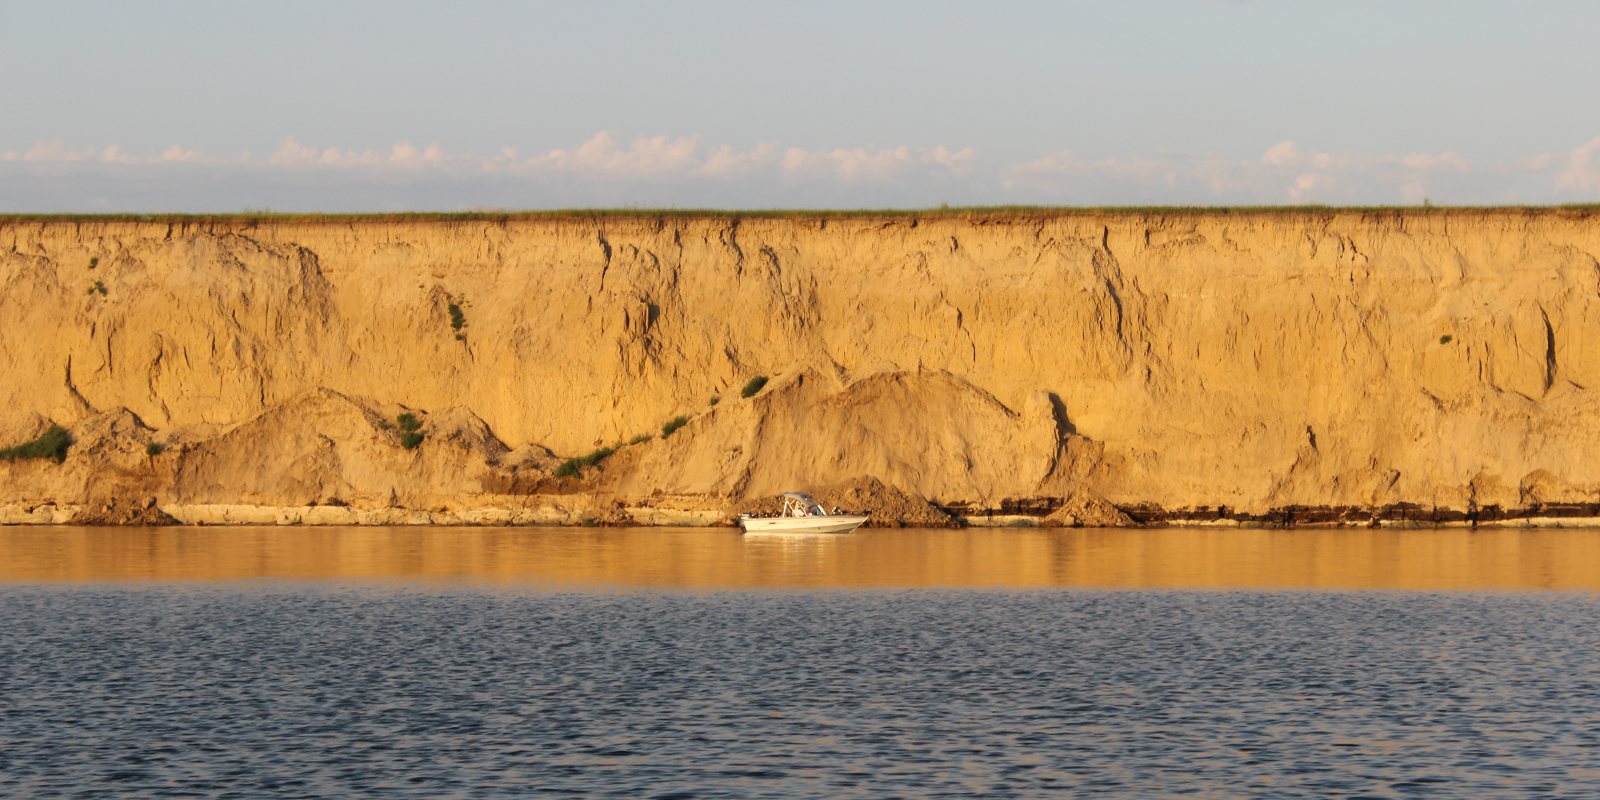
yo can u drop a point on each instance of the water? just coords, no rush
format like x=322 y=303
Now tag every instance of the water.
x=518 y=663
x=657 y=558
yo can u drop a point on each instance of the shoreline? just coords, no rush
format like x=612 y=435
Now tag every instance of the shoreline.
x=553 y=516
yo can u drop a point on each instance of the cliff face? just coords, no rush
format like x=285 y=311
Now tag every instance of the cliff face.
x=1252 y=362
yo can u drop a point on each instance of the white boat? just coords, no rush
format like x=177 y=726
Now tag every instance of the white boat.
x=802 y=514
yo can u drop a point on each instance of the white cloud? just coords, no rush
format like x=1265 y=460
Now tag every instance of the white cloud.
x=177 y=153
x=959 y=162
x=1283 y=173
x=600 y=157
x=1583 y=168
x=1281 y=153
x=403 y=155
x=292 y=152
x=848 y=165
x=723 y=162
x=336 y=157
x=1062 y=173
x=861 y=164
x=56 y=151
x=1307 y=184
x=604 y=170
x=173 y=154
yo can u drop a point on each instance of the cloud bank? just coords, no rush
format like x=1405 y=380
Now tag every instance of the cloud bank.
x=683 y=171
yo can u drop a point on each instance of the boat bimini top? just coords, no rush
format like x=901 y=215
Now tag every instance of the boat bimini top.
x=800 y=504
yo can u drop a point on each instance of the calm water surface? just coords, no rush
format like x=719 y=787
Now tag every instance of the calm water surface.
x=256 y=662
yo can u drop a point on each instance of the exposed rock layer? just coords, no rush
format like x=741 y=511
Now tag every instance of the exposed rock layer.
x=1198 y=367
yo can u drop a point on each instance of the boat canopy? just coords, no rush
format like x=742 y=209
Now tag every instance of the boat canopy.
x=800 y=504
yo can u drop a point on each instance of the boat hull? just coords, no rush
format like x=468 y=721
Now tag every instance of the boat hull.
x=840 y=523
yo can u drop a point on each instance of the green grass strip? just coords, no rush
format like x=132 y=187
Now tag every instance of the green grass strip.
x=52 y=444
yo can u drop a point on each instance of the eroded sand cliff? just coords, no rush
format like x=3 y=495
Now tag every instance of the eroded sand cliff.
x=1332 y=365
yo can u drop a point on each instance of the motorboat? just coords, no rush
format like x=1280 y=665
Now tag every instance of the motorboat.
x=802 y=514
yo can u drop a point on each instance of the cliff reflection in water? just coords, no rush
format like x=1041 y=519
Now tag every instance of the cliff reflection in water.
x=719 y=558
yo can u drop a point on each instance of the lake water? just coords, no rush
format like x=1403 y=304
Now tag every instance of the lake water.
x=651 y=663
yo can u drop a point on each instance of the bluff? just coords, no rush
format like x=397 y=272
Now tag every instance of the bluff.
x=1246 y=366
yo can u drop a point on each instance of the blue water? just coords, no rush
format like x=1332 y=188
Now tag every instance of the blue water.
x=389 y=689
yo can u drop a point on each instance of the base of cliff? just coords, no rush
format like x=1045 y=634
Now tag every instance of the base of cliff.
x=900 y=510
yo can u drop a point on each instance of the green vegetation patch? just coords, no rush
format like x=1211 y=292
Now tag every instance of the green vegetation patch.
x=672 y=425
x=573 y=466
x=458 y=320
x=753 y=386
x=641 y=438
x=94 y=262
x=1445 y=339
x=715 y=400
x=52 y=444
x=98 y=287
x=411 y=433
x=154 y=448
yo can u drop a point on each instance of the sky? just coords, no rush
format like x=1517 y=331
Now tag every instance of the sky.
x=388 y=106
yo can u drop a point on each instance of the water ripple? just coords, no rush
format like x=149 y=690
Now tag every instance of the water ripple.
x=337 y=689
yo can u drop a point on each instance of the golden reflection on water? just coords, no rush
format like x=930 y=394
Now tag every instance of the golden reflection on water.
x=720 y=558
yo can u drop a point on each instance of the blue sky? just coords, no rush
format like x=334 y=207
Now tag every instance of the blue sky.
x=361 y=106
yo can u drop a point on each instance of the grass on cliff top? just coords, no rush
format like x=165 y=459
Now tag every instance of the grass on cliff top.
x=939 y=212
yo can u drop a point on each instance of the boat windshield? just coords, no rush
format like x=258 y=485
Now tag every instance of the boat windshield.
x=796 y=504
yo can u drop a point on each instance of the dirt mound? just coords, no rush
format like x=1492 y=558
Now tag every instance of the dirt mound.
x=1085 y=510
x=609 y=515
x=885 y=506
x=124 y=512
